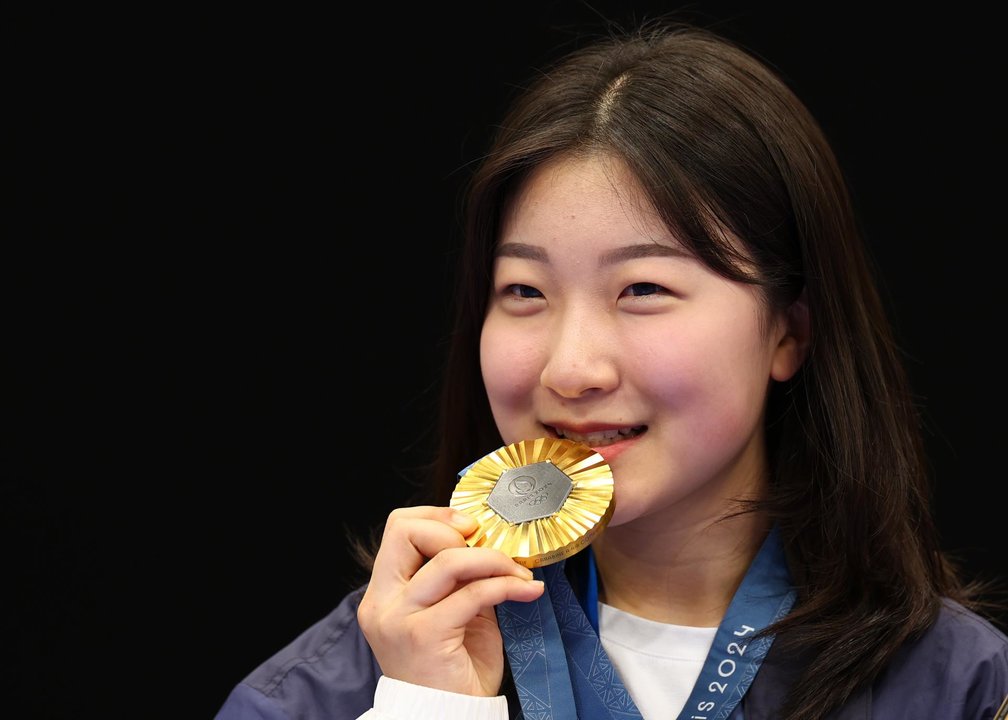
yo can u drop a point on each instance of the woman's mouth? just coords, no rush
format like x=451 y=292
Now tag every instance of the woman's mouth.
x=599 y=438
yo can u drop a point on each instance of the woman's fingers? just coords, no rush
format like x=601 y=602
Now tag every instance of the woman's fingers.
x=415 y=534
x=428 y=609
x=453 y=568
x=457 y=608
x=424 y=558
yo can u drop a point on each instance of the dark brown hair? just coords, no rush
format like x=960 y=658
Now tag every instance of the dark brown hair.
x=718 y=141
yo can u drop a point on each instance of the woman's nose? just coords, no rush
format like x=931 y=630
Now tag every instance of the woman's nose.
x=580 y=361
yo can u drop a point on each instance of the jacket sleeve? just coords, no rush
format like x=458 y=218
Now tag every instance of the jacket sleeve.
x=327 y=673
x=959 y=669
x=330 y=673
x=247 y=703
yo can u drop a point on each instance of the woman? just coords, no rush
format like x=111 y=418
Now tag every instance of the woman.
x=661 y=263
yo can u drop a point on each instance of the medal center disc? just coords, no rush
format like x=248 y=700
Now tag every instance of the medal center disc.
x=531 y=492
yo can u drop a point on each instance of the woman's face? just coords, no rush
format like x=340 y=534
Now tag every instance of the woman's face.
x=602 y=329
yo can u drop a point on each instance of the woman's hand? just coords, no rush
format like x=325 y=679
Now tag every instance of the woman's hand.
x=428 y=611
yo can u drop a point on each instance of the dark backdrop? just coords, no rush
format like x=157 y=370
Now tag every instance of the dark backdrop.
x=226 y=272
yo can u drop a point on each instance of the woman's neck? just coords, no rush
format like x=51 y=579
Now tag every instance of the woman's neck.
x=683 y=575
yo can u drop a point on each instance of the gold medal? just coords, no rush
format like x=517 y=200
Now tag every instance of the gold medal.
x=540 y=501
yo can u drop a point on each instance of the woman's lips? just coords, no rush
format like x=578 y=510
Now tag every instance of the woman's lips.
x=611 y=450
x=598 y=436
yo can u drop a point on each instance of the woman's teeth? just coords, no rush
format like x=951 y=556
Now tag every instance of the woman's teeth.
x=603 y=437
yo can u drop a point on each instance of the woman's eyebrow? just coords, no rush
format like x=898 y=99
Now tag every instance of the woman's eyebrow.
x=521 y=250
x=525 y=251
x=643 y=250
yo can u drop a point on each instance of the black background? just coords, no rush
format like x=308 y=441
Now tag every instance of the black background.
x=226 y=276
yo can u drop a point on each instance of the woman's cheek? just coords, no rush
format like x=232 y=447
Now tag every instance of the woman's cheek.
x=508 y=361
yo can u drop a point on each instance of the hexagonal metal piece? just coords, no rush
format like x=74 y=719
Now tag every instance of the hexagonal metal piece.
x=530 y=492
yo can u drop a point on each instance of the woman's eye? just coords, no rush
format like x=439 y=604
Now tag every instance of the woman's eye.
x=522 y=291
x=643 y=288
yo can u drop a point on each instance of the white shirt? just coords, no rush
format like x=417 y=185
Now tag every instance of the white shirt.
x=658 y=663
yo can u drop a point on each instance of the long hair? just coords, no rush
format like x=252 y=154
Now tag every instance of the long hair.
x=718 y=141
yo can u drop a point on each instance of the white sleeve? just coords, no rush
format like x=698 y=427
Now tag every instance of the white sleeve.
x=398 y=700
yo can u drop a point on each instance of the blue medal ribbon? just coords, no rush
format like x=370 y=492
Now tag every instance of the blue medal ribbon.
x=561 y=670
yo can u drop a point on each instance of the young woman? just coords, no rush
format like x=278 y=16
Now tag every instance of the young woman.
x=661 y=264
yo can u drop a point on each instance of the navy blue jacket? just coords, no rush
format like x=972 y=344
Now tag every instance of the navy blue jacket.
x=958 y=670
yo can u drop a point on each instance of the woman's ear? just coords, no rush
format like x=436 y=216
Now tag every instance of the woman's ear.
x=794 y=343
